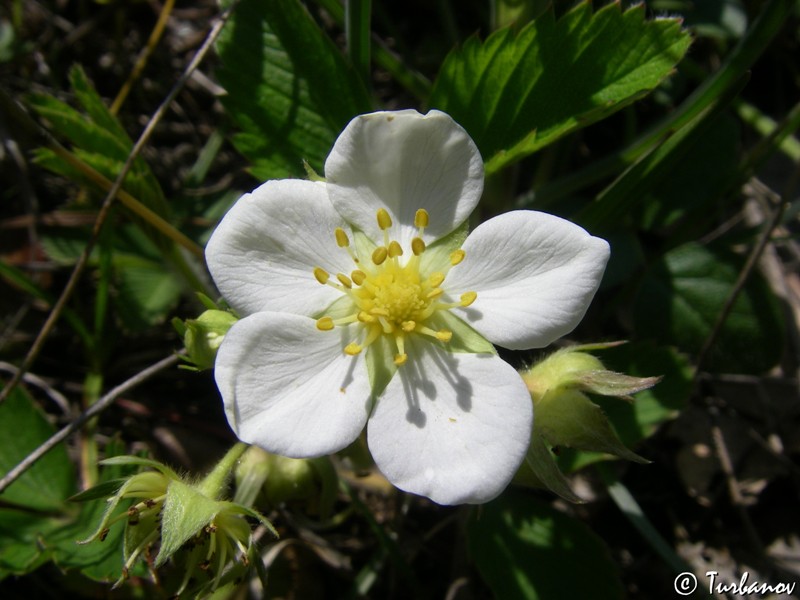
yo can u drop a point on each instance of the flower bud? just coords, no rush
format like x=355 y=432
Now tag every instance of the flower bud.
x=565 y=416
x=202 y=336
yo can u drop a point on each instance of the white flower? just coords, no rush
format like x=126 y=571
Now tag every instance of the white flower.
x=363 y=304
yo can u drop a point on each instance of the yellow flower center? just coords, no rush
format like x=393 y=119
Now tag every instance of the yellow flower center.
x=391 y=297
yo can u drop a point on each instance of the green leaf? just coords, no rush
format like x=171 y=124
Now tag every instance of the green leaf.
x=147 y=291
x=20 y=534
x=23 y=428
x=99 y=561
x=290 y=91
x=99 y=140
x=525 y=549
x=681 y=297
x=516 y=93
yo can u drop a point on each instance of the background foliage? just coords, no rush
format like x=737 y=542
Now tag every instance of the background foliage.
x=667 y=127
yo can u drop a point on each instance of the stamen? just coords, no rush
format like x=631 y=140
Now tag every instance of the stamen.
x=417 y=246
x=394 y=250
x=352 y=349
x=442 y=335
x=435 y=293
x=379 y=255
x=344 y=280
x=468 y=298
x=321 y=275
x=325 y=324
x=358 y=277
x=421 y=219
x=457 y=256
x=408 y=326
x=365 y=317
x=436 y=279
x=384 y=220
x=341 y=237
x=401 y=357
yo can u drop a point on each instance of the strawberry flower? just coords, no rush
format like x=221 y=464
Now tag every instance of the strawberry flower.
x=365 y=304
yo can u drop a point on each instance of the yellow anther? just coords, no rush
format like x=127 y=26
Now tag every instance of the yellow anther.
x=341 y=238
x=444 y=335
x=435 y=293
x=400 y=359
x=379 y=255
x=468 y=298
x=457 y=256
x=421 y=218
x=384 y=220
x=394 y=249
x=344 y=280
x=325 y=324
x=417 y=246
x=352 y=349
x=408 y=326
x=365 y=317
x=436 y=279
x=358 y=277
x=321 y=275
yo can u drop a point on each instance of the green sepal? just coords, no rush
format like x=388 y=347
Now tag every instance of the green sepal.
x=465 y=339
x=569 y=418
x=101 y=490
x=539 y=470
x=141 y=462
x=380 y=364
x=186 y=513
x=437 y=255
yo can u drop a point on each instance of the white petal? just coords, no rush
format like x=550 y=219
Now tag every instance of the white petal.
x=288 y=387
x=452 y=427
x=403 y=161
x=535 y=275
x=263 y=253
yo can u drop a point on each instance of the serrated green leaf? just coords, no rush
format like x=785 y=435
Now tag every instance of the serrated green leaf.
x=23 y=428
x=516 y=93
x=99 y=140
x=524 y=549
x=93 y=104
x=289 y=89
x=681 y=297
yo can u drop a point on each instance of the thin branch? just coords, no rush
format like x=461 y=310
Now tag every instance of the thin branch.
x=37 y=381
x=102 y=215
x=94 y=410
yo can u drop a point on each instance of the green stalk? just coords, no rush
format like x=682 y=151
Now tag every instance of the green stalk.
x=214 y=484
